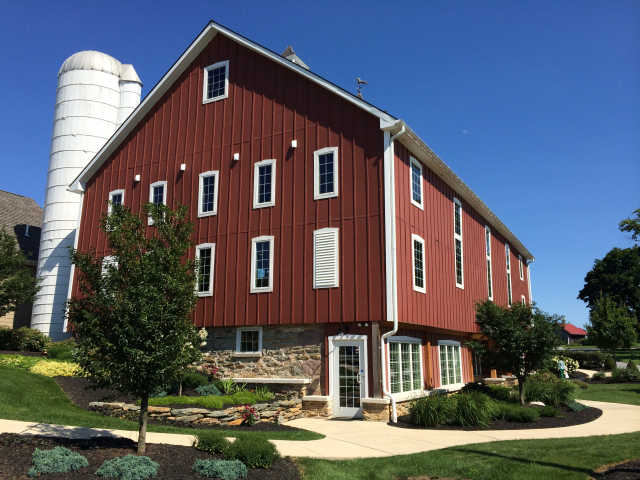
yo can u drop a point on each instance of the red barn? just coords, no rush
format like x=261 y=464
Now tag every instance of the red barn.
x=321 y=222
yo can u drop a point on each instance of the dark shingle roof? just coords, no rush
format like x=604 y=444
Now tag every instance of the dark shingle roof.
x=16 y=212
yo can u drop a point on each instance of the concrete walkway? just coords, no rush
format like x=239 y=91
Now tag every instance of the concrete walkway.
x=357 y=439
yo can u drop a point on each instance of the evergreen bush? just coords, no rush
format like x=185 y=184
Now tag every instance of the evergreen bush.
x=194 y=380
x=619 y=375
x=129 y=468
x=599 y=375
x=28 y=340
x=549 y=412
x=594 y=359
x=549 y=390
x=205 y=390
x=517 y=413
x=253 y=452
x=609 y=363
x=212 y=442
x=224 y=469
x=581 y=384
x=58 y=460
x=576 y=406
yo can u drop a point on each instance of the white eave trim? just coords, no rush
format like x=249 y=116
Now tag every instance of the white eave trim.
x=209 y=32
x=420 y=150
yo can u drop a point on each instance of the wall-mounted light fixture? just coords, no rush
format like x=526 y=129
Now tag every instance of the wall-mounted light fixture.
x=294 y=143
x=183 y=167
x=236 y=156
x=137 y=178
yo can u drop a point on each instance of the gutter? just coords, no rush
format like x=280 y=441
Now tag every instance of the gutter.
x=392 y=272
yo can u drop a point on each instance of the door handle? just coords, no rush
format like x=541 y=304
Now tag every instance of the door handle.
x=359 y=378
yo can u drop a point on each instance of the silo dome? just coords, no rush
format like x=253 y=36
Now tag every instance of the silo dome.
x=91 y=60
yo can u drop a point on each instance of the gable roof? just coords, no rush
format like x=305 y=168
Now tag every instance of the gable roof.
x=573 y=330
x=16 y=214
x=387 y=122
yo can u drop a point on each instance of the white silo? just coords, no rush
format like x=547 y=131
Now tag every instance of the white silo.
x=95 y=95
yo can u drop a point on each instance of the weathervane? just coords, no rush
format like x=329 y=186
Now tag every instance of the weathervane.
x=359 y=84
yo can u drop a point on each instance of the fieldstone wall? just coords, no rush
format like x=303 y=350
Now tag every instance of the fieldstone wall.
x=281 y=411
x=376 y=412
x=312 y=408
x=288 y=351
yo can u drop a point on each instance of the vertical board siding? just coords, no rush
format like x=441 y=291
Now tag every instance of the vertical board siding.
x=444 y=305
x=267 y=107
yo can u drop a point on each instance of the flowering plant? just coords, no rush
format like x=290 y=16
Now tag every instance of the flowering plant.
x=571 y=364
x=249 y=416
x=210 y=371
x=202 y=333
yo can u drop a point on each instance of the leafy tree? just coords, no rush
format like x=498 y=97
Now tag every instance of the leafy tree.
x=133 y=312
x=632 y=225
x=522 y=339
x=611 y=326
x=17 y=286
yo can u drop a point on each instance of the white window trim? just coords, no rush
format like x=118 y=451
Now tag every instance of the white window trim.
x=164 y=194
x=524 y=300
x=111 y=194
x=455 y=386
x=212 y=246
x=256 y=166
x=106 y=261
x=238 y=353
x=401 y=396
x=520 y=265
x=509 y=279
x=254 y=241
x=458 y=237
x=423 y=289
x=415 y=162
x=202 y=176
x=316 y=173
x=487 y=229
x=337 y=259
x=206 y=78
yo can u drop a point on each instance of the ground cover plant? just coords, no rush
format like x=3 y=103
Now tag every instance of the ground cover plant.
x=224 y=469
x=130 y=467
x=40 y=365
x=210 y=401
x=57 y=460
x=550 y=459
x=35 y=398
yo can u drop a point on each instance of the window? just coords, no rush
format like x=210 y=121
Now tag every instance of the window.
x=487 y=234
x=108 y=261
x=205 y=254
x=520 y=265
x=457 y=240
x=261 y=264
x=264 y=183
x=418 y=264
x=116 y=198
x=325 y=258
x=216 y=82
x=157 y=195
x=524 y=302
x=506 y=247
x=325 y=169
x=450 y=363
x=477 y=365
x=405 y=364
x=416 y=182
x=208 y=194
x=249 y=340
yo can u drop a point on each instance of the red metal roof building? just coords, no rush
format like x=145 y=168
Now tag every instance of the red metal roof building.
x=570 y=333
x=325 y=222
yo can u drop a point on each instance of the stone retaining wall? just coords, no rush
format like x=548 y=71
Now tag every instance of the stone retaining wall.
x=282 y=411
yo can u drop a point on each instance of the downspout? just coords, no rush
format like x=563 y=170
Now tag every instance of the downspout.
x=391 y=191
x=529 y=278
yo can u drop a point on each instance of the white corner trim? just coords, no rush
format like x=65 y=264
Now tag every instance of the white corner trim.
x=201 y=177
x=205 y=82
x=256 y=183
x=316 y=173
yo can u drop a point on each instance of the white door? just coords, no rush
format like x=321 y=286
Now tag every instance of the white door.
x=349 y=377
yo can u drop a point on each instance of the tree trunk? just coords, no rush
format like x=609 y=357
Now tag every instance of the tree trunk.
x=142 y=432
x=521 y=381
x=614 y=357
x=180 y=388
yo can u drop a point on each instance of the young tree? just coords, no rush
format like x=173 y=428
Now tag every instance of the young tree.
x=522 y=339
x=611 y=326
x=133 y=311
x=17 y=286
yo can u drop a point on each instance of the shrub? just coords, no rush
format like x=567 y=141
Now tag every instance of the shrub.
x=549 y=390
x=464 y=409
x=619 y=375
x=194 y=380
x=160 y=393
x=253 y=452
x=60 y=352
x=129 y=468
x=224 y=469
x=549 y=412
x=208 y=390
x=58 y=460
x=576 y=406
x=431 y=411
x=249 y=416
x=571 y=364
x=500 y=392
x=609 y=363
x=212 y=442
x=581 y=384
x=594 y=359
x=5 y=338
x=517 y=413
x=475 y=409
x=599 y=375
x=28 y=339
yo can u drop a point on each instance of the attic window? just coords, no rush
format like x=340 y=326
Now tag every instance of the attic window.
x=216 y=82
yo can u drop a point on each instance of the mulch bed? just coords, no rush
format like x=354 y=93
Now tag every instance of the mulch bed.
x=623 y=471
x=175 y=462
x=569 y=419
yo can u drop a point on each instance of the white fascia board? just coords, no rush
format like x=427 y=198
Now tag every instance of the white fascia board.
x=209 y=32
x=420 y=150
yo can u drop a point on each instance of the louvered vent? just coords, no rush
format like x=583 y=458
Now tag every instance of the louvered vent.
x=325 y=258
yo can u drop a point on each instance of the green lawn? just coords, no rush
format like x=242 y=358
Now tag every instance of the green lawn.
x=621 y=355
x=555 y=459
x=36 y=398
x=611 y=392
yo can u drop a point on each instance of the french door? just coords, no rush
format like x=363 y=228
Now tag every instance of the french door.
x=349 y=376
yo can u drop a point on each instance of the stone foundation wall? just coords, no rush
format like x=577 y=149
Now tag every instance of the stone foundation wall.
x=312 y=409
x=376 y=412
x=282 y=411
x=288 y=351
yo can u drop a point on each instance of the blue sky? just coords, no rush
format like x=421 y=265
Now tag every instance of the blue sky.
x=536 y=105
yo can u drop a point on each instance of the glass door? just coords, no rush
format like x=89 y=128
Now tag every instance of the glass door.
x=349 y=378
